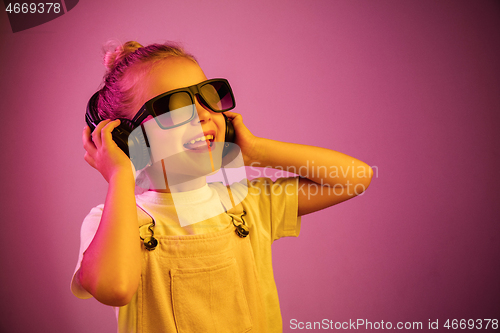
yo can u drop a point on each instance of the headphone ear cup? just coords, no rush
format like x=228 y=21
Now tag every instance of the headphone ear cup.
x=229 y=137
x=130 y=140
x=230 y=133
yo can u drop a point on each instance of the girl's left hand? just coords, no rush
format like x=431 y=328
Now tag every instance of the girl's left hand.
x=247 y=142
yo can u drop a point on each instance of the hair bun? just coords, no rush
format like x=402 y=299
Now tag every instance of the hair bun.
x=114 y=52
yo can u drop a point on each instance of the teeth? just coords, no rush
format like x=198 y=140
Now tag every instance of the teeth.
x=203 y=138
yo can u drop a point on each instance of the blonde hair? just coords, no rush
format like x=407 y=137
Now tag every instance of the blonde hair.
x=125 y=65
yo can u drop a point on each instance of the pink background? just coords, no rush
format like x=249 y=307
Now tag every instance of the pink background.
x=410 y=87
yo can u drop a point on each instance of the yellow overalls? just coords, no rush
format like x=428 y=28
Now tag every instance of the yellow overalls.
x=197 y=284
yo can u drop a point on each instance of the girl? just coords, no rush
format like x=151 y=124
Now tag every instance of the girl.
x=170 y=258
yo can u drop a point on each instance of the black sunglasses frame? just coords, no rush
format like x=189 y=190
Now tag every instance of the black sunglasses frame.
x=193 y=91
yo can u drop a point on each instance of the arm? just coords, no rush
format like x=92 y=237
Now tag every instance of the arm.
x=327 y=176
x=111 y=265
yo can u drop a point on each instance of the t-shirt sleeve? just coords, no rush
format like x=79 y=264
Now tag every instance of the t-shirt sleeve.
x=277 y=203
x=87 y=233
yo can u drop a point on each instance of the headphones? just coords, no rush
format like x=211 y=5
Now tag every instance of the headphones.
x=129 y=138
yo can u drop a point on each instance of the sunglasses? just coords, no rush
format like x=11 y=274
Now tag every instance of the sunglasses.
x=177 y=107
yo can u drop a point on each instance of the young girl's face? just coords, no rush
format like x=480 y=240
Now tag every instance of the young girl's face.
x=179 y=72
x=173 y=145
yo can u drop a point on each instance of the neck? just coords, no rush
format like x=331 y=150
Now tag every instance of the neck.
x=188 y=185
x=174 y=177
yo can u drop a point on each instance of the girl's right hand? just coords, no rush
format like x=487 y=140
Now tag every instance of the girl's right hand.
x=102 y=153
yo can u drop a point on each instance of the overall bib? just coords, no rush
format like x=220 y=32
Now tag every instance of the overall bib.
x=198 y=284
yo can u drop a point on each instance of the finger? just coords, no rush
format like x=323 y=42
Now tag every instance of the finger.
x=106 y=132
x=235 y=118
x=232 y=115
x=96 y=134
x=88 y=145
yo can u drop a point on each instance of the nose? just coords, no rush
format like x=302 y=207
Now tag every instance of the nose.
x=204 y=114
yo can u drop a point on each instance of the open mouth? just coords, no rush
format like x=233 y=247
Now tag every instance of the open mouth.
x=202 y=143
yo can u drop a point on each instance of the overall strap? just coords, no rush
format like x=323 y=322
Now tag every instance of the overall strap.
x=237 y=213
